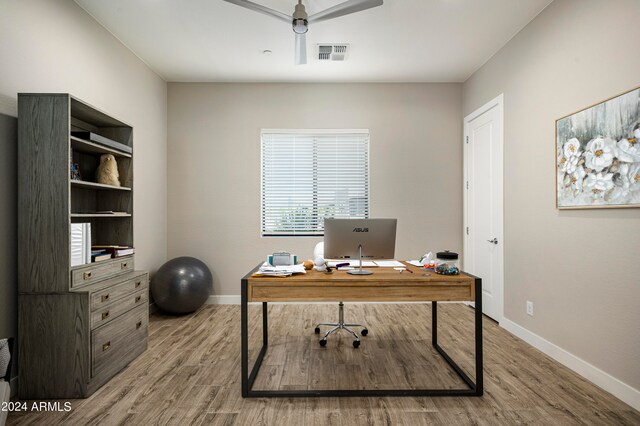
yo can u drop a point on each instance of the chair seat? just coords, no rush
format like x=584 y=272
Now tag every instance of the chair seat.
x=5 y=396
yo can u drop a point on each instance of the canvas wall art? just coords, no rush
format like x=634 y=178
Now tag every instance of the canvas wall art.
x=598 y=155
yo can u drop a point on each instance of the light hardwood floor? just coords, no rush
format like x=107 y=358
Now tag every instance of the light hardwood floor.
x=191 y=374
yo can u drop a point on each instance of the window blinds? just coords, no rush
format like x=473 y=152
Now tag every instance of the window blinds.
x=307 y=177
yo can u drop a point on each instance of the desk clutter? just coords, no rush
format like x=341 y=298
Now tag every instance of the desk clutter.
x=443 y=262
x=284 y=264
x=268 y=270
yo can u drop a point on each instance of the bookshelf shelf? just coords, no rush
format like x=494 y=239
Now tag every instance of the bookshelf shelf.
x=99 y=186
x=69 y=316
x=109 y=215
x=82 y=145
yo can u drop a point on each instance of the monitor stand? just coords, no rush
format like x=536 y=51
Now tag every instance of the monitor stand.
x=359 y=271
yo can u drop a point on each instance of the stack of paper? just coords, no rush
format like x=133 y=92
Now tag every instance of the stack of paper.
x=389 y=263
x=116 y=251
x=280 y=271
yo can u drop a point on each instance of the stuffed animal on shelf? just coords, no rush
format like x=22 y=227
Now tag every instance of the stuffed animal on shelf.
x=107 y=172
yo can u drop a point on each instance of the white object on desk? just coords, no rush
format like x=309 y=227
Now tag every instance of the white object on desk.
x=352 y=262
x=318 y=251
x=280 y=271
x=389 y=264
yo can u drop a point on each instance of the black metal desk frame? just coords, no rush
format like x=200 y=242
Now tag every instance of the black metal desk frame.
x=474 y=388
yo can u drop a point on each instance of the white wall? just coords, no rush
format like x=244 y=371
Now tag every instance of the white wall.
x=214 y=165
x=54 y=46
x=581 y=267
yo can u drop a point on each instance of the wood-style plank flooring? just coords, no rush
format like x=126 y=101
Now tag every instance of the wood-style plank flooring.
x=191 y=374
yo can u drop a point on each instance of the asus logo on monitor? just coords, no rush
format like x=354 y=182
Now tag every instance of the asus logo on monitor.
x=360 y=229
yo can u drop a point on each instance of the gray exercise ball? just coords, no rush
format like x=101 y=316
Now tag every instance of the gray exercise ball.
x=181 y=285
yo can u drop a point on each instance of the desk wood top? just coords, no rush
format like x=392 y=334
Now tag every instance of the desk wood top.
x=385 y=284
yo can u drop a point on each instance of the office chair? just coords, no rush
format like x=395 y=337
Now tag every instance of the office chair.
x=318 y=251
x=340 y=325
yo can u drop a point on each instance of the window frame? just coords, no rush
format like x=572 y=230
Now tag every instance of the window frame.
x=309 y=132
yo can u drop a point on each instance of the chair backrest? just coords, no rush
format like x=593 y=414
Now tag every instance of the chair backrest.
x=7 y=376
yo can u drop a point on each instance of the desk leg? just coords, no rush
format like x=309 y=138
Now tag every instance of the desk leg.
x=477 y=388
x=478 y=326
x=434 y=323
x=244 y=339
x=248 y=379
x=265 y=327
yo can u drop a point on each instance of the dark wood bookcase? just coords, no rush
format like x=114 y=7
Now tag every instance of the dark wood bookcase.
x=78 y=326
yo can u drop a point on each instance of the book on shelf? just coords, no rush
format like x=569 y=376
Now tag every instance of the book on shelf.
x=93 y=137
x=111 y=212
x=115 y=250
x=100 y=255
x=77 y=244
x=80 y=244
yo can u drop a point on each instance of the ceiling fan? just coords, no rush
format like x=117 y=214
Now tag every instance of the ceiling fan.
x=300 y=20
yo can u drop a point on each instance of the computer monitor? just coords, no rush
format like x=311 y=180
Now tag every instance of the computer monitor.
x=360 y=239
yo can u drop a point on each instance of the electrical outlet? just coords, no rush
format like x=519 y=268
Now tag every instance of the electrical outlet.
x=529 y=308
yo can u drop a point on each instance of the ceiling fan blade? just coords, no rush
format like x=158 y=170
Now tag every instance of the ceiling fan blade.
x=301 y=49
x=350 y=6
x=262 y=9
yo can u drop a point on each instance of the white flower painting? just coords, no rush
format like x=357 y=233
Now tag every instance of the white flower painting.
x=598 y=155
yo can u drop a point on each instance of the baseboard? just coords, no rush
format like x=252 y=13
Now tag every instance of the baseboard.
x=617 y=388
x=233 y=299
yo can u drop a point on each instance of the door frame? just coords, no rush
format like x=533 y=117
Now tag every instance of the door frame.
x=498 y=174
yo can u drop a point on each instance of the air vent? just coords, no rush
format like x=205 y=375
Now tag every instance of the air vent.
x=332 y=52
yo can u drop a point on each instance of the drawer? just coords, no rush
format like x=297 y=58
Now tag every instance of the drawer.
x=111 y=312
x=116 y=344
x=95 y=272
x=105 y=297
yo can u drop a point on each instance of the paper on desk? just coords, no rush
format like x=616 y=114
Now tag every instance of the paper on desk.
x=389 y=263
x=355 y=263
x=280 y=271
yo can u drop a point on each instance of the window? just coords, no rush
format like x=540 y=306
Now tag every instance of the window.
x=310 y=175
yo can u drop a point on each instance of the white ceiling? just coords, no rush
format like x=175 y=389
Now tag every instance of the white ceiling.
x=400 y=41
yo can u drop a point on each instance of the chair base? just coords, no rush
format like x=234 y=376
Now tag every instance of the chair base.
x=341 y=325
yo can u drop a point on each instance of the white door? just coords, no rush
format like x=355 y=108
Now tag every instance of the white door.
x=483 y=247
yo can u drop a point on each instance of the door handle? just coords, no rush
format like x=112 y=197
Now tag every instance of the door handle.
x=493 y=241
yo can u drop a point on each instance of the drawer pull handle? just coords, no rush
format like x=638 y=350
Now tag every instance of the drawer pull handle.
x=138 y=299
x=138 y=325
x=124 y=265
x=105 y=315
x=106 y=346
x=138 y=284
x=105 y=297
x=86 y=275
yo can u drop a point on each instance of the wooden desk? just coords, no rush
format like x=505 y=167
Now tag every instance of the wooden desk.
x=385 y=285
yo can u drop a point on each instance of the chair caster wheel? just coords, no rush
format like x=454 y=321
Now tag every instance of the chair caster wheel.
x=356 y=343
x=317 y=330
x=364 y=332
x=323 y=342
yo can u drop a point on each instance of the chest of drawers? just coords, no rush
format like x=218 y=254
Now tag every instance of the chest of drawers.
x=76 y=341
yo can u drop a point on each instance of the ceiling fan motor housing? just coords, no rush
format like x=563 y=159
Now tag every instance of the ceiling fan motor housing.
x=300 y=23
